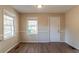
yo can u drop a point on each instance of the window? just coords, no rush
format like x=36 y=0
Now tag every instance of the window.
x=32 y=27
x=8 y=26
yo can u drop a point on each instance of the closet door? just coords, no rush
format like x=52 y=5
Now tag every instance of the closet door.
x=54 y=26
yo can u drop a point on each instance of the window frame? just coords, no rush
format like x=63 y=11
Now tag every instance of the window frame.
x=32 y=19
x=12 y=35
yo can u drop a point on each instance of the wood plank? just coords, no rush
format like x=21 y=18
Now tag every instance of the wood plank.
x=55 y=47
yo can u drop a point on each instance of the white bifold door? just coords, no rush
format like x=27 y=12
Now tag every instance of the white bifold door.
x=54 y=28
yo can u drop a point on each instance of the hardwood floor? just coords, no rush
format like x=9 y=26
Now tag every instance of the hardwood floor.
x=43 y=48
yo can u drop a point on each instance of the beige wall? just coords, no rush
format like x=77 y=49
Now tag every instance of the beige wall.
x=5 y=45
x=43 y=27
x=72 y=27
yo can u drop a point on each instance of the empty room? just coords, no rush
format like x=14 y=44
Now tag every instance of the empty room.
x=39 y=29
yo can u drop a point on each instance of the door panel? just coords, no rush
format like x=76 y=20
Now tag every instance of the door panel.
x=54 y=29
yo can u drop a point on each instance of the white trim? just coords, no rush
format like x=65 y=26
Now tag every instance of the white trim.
x=11 y=47
x=72 y=45
x=36 y=42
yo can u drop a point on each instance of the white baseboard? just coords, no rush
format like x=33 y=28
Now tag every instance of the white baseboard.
x=37 y=42
x=33 y=42
x=72 y=46
x=11 y=47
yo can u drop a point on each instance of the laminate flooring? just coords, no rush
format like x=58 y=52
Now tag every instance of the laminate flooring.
x=54 y=47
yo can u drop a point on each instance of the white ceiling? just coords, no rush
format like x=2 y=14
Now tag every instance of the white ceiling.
x=44 y=9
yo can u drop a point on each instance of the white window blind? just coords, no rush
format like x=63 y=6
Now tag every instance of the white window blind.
x=8 y=26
